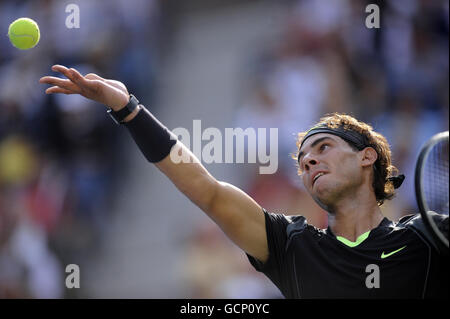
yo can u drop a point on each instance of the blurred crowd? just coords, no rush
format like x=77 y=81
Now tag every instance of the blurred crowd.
x=60 y=155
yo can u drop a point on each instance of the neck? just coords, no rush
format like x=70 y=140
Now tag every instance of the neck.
x=350 y=217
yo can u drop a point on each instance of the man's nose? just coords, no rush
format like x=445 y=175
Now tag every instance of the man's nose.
x=309 y=160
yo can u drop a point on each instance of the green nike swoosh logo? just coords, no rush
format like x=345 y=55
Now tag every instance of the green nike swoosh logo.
x=383 y=255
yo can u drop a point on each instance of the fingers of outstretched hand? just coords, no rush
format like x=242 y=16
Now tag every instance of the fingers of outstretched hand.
x=60 y=68
x=72 y=74
x=57 y=89
x=62 y=83
x=76 y=77
x=89 y=87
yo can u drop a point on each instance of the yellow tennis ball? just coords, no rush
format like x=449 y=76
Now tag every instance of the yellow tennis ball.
x=24 y=33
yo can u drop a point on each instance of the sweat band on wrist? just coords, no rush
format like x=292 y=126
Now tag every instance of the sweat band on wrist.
x=153 y=139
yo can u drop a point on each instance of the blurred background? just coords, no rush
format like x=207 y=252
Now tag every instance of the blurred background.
x=74 y=188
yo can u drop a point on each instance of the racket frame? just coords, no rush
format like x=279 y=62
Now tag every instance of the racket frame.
x=421 y=202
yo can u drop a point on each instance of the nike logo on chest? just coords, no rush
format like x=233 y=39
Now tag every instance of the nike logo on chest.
x=383 y=255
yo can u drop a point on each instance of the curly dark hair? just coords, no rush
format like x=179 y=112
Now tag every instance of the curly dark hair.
x=382 y=168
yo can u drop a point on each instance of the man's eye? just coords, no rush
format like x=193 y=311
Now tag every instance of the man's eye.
x=322 y=147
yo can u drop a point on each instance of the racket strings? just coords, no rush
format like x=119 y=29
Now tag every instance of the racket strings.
x=436 y=178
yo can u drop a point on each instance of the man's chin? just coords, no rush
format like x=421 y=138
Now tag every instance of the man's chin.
x=322 y=203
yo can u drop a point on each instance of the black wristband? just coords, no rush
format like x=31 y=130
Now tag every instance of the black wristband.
x=119 y=116
x=153 y=139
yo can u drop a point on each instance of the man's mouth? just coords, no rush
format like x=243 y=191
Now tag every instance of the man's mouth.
x=317 y=177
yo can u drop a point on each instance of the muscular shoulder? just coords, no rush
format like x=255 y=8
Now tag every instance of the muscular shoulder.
x=417 y=224
x=290 y=224
x=415 y=220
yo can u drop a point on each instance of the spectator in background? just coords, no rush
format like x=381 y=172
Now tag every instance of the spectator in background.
x=63 y=207
x=28 y=269
x=213 y=277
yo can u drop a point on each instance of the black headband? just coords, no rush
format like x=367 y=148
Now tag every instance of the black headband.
x=356 y=139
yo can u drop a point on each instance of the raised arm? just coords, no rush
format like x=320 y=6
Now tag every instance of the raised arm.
x=236 y=213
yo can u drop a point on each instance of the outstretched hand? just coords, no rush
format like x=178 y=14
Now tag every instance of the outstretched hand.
x=92 y=86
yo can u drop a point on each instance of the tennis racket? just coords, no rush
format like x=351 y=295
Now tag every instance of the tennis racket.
x=431 y=184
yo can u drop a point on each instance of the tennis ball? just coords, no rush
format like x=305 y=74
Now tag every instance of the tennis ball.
x=24 y=33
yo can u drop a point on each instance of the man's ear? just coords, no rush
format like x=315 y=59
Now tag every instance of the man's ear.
x=368 y=156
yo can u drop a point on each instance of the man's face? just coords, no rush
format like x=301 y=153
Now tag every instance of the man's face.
x=330 y=168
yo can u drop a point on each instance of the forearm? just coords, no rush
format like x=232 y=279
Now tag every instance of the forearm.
x=190 y=177
x=161 y=147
